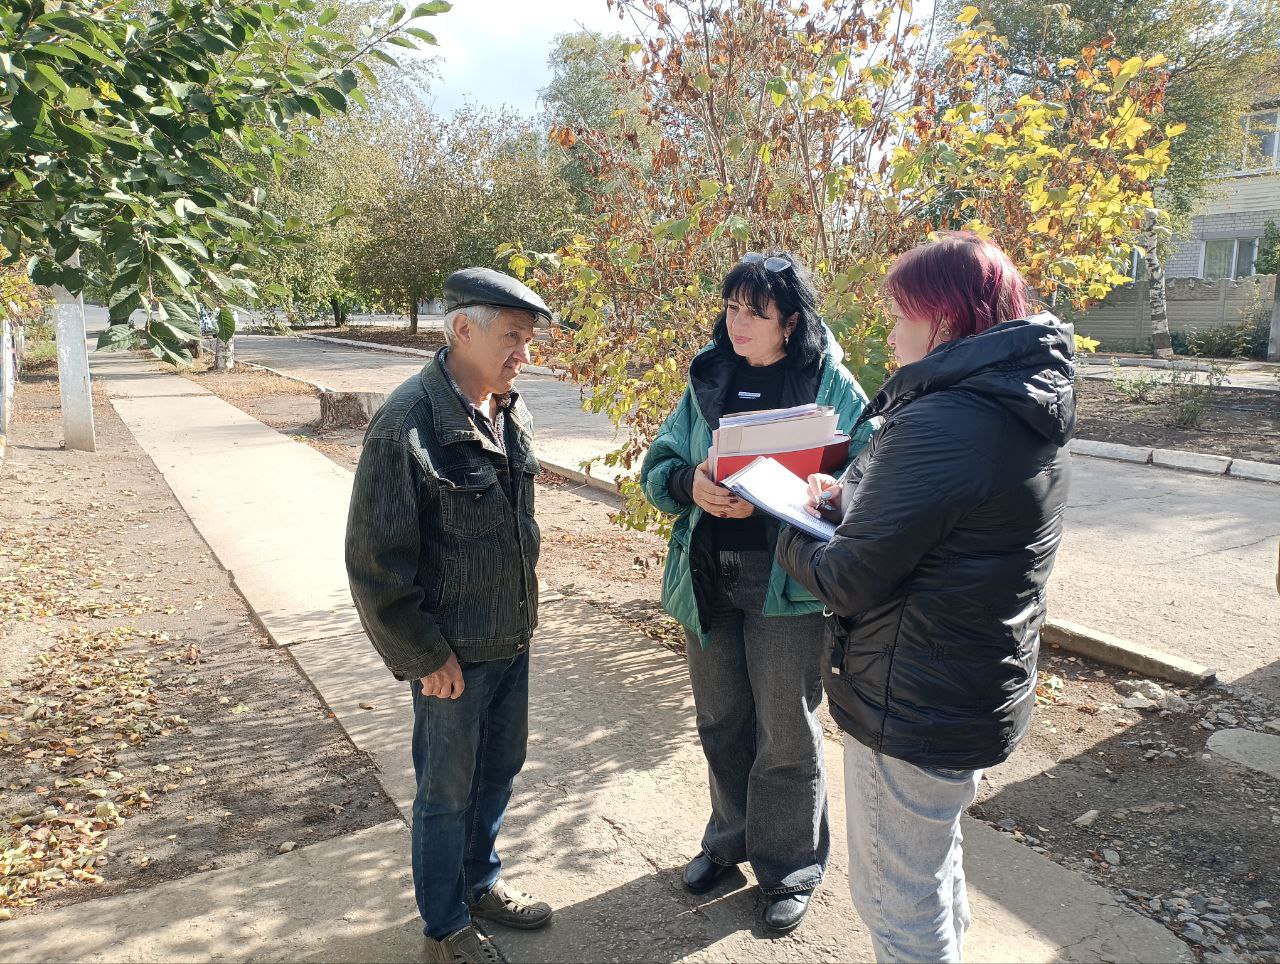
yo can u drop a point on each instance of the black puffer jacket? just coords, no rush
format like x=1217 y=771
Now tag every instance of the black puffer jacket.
x=937 y=574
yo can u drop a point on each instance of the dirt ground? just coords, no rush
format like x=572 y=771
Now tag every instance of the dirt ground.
x=1195 y=840
x=1239 y=423
x=148 y=729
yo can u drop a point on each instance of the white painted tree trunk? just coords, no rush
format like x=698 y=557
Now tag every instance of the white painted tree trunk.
x=1161 y=343
x=73 y=372
x=224 y=354
x=1273 y=351
x=7 y=377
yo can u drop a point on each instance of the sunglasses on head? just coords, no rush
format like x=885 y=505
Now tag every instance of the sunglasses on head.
x=776 y=263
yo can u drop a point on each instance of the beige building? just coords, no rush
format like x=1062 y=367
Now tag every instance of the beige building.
x=1226 y=232
x=1211 y=279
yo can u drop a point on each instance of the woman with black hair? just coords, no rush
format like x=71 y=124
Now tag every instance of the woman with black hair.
x=754 y=634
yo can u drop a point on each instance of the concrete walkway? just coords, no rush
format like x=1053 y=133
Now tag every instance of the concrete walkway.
x=1255 y=375
x=607 y=811
x=1179 y=562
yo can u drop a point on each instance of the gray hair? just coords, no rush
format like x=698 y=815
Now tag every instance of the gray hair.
x=479 y=315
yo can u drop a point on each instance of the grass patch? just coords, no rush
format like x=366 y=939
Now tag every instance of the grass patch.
x=38 y=355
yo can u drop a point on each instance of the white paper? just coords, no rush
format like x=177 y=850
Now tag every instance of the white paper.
x=770 y=486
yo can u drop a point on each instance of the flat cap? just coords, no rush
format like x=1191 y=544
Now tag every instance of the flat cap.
x=484 y=286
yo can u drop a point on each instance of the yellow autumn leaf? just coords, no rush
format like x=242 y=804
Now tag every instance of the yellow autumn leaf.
x=1085 y=343
x=967 y=16
x=1173 y=130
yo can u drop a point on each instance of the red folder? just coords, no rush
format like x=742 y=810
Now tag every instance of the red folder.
x=829 y=459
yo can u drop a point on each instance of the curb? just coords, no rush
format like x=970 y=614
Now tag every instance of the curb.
x=1114 y=651
x=293 y=378
x=422 y=353
x=371 y=345
x=1203 y=463
x=582 y=478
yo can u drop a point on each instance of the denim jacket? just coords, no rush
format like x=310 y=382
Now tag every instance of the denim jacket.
x=441 y=541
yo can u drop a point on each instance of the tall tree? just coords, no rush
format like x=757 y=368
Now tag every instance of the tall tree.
x=587 y=93
x=1218 y=51
x=149 y=134
x=463 y=187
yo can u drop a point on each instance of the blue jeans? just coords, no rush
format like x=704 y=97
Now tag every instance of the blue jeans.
x=757 y=686
x=466 y=754
x=906 y=866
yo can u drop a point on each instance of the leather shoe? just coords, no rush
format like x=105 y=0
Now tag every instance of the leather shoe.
x=784 y=912
x=701 y=874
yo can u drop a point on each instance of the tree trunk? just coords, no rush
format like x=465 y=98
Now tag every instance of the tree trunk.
x=339 y=315
x=413 y=316
x=224 y=354
x=1161 y=343
x=1273 y=350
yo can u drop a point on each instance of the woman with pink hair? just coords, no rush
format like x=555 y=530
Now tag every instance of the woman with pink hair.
x=947 y=525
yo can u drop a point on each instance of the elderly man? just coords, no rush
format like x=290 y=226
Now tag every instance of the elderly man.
x=441 y=549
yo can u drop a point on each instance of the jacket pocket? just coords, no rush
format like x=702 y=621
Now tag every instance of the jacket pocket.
x=475 y=506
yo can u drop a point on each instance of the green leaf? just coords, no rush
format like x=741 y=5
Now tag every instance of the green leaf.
x=402 y=41
x=44 y=271
x=426 y=36
x=226 y=324
x=166 y=349
x=117 y=338
x=124 y=304
x=777 y=88
x=397 y=13
x=178 y=273
x=430 y=9
x=328 y=17
x=26 y=107
x=675 y=229
x=334 y=97
x=52 y=76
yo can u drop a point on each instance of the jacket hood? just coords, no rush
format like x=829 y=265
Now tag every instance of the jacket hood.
x=1027 y=365
x=712 y=369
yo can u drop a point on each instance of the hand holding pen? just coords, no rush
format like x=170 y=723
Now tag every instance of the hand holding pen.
x=824 y=498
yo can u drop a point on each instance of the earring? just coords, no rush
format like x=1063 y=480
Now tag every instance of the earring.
x=945 y=332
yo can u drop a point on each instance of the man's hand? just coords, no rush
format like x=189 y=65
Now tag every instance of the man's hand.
x=446 y=682
x=824 y=498
x=716 y=499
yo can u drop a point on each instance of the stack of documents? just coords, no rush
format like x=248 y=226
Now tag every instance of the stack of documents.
x=767 y=485
x=804 y=440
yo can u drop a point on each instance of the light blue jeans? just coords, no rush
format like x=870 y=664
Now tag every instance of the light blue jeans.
x=906 y=870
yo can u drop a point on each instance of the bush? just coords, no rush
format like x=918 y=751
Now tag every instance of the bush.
x=37 y=354
x=40 y=330
x=1189 y=398
x=1248 y=339
x=1135 y=388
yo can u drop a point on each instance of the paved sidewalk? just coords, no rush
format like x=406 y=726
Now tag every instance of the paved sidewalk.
x=1258 y=376
x=606 y=813
x=1172 y=560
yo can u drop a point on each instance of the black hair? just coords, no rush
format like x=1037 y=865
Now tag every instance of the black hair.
x=792 y=290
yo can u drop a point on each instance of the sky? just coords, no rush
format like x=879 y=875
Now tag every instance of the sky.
x=494 y=52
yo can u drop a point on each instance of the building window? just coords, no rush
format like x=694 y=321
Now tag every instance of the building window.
x=1261 y=142
x=1229 y=258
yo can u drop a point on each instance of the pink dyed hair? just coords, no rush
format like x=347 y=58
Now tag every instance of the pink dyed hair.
x=961 y=280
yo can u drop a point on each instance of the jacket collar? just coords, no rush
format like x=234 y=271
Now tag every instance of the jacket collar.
x=451 y=420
